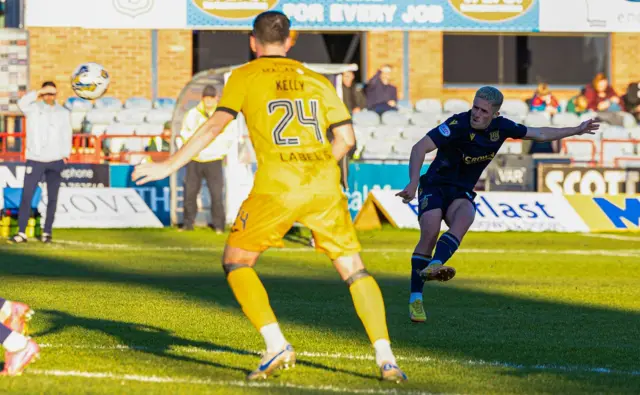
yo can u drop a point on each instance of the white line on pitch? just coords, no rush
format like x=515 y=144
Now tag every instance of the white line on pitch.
x=426 y=359
x=612 y=237
x=219 y=383
x=618 y=253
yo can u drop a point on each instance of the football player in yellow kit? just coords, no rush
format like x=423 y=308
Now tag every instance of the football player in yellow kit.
x=288 y=109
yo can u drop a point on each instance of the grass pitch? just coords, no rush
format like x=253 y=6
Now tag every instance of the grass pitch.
x=149 y=311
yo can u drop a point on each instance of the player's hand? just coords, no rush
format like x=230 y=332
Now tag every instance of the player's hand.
x=588 y=127
x=408 y=193
x=152 y=171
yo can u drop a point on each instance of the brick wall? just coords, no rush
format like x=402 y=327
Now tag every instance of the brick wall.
x=625 y=58
x=425 y=65
x=126 y=54
x=386 y=48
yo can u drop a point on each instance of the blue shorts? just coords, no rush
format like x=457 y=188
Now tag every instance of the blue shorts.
x=431 y=197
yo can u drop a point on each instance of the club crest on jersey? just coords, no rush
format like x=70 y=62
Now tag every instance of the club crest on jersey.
x=472 y=136
x=454 y=122
x=494 y=136
x=444 y=130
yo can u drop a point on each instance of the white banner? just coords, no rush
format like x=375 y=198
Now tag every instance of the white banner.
x=589 y=15
x=495 y=212
x=107 y=14
x=101 y=208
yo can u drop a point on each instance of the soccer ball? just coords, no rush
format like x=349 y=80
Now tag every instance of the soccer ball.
x=90 y=81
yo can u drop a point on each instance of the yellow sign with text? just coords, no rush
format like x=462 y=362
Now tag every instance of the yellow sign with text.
x=492 y=10
x=619 y=213
x=235 y=9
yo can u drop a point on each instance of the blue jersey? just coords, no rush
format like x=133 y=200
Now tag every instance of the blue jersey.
x=464 y=152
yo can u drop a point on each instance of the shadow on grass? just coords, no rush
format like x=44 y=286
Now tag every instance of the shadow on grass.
x=463 y=324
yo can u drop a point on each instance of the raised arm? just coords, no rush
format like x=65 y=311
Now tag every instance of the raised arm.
x=416 y=160
x=551 y=134
x=28 y=101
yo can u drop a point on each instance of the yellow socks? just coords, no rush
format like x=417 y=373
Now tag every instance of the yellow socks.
x=251 y=296
x=367 y=299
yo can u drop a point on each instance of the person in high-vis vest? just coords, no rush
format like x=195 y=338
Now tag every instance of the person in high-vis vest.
x=206 y=165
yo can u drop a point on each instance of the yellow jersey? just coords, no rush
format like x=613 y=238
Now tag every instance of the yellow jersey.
x=288 y=109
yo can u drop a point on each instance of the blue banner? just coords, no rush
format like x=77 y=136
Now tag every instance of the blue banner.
x=156 y=194
x=492 y=15
x=364 y=177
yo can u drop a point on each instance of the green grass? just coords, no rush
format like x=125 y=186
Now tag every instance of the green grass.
x=538 y=316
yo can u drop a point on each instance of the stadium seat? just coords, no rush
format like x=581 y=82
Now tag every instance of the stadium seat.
x=147 y=129
x=363 y=133
x=377 y=150
x=425 y=119
x=565 y=119
x=159 y=116
x=103 y=117
x=119 y=128
x=402 y=149
x=628 y=120
x=414 y=133
x=430 y=106
x=386 y=133
x=456 y=106
x=587 y=116
x=634 y=133
x=366 y=118
x=98 y=129
x=131 y=116
x=511 y=147
x=615 y=133
x=395 y=118
x=537 y=120
x=138 y=103
x=164 y=103
x=611 y=151
x=135 y=145
x=111 y=103
x=405 y=106
x=580 y=151
x=514 y=109
x=77 y=104
x=443 y=117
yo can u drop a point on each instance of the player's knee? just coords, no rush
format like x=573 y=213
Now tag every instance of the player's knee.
x=359 y=275
x=230 y=267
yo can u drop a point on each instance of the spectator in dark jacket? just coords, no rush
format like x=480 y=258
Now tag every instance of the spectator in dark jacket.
x=352 y=96
x=381 y=95
x=632 y=99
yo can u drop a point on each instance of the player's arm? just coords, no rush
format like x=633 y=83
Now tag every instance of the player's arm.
x=343 y=140
x=416 y=160
x=551 y=134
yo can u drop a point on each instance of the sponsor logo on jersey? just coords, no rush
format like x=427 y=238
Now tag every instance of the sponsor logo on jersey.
x=444 y=130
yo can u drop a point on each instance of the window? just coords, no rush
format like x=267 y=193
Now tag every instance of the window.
x=525 y=59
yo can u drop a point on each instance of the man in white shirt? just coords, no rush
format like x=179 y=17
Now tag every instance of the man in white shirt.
x=48 y=138
x=207 y=165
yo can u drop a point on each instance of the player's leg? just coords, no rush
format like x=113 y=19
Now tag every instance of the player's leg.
x=20 y=350
x=429 y=218
x=192 y=185
x=15 y=315
x=261 y=223
x=460 y=215
x=31 y=179
x=53 y=179
x=329 y=219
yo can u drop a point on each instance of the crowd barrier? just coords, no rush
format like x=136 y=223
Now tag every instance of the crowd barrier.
x=516 y=211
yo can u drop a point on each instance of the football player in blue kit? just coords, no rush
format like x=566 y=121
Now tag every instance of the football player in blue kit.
x=466 y=144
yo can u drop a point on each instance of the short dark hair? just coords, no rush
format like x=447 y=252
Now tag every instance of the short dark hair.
x=209 y=91
x=271 y=27
x=49 y=83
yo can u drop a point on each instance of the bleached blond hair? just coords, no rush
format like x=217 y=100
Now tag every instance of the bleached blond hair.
x=492 y=95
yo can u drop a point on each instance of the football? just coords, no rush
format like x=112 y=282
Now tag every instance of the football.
x=90 y=81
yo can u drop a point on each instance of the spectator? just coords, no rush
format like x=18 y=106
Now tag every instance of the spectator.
x=544 y=101
x=49 y=137
x=632 y=99
x=601 y=97
x=381 y=95
x=207 y=165
x=161 y=143
x=578 y=105
x=352 y=96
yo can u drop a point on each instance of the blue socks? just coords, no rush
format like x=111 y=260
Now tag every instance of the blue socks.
x=447 y=245
x=418 y=263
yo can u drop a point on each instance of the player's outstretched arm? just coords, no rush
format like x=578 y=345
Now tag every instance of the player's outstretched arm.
x=550 y=134
x=153 y=171
x=418 y=152
x=344 y=140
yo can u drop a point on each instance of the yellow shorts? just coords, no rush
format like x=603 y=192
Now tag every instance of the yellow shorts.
x=263 y=220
